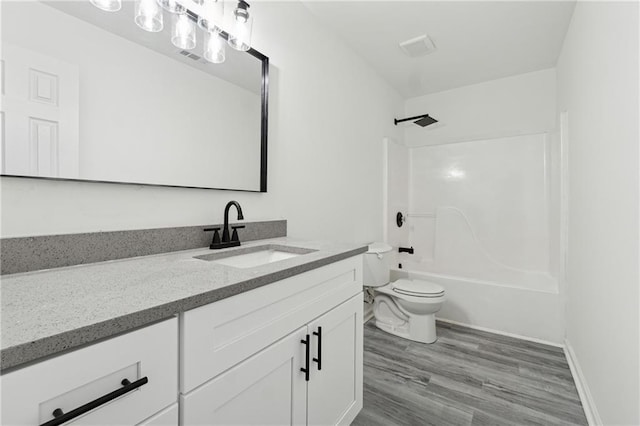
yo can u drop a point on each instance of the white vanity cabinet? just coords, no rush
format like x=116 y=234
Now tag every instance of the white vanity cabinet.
x=285 y=353
x=243 y=357
x=146 y=358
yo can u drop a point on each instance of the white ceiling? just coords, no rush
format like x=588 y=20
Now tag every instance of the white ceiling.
x=476 y=40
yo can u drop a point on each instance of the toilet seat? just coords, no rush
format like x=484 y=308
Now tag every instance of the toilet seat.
x=417 y=288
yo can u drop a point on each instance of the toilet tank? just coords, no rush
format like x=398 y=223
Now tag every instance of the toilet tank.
x=376 y=267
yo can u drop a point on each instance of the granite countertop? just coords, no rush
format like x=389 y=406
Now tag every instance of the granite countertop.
x=48 y=312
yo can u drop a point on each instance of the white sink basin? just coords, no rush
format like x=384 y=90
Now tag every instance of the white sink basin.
x=249 y=260
x=250 y=257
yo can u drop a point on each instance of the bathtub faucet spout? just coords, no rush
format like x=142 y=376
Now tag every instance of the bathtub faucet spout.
x=405 y=250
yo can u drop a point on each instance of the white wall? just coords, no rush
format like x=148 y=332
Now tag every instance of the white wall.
x=598 y=87
x=518 y=105
x=329 y=113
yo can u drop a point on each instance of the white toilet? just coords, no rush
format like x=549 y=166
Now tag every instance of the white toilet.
x=405 y=308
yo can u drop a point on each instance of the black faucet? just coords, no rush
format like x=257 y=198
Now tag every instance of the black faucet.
x=225 y=230
x=405 y=250
x=227 y=241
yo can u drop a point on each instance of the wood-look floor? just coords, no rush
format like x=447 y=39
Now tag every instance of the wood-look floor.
x=467 y=377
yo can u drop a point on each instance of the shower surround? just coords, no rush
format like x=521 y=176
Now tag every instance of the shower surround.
x=483 y=218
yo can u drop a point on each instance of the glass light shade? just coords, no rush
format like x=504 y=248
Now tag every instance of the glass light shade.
x=240 y=32
x=214 y=47
x=183 y=32
x=212 y=15
x=108 y=5
x=148 y=15
x=172 y=6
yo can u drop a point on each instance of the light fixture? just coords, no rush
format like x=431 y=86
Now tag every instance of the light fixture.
x=214 y=47
x=240 y=31
x=172 y=6
x=183 y=32
x=209 y=16
x=212 y=15
x=148 y=15
x=108 y=5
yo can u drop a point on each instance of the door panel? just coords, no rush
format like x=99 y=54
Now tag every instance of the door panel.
x=335 y=391
x=266 y=389
x=40 y=114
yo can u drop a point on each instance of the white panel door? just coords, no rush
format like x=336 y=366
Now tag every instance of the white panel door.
x=335 y=386
x=40 y=114
x=266 y=389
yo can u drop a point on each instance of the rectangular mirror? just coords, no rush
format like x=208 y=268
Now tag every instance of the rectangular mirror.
x=87 y=95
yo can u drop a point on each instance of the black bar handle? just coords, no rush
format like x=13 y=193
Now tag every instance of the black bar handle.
x=307 y=348
x=319 y=359
x=61 y=417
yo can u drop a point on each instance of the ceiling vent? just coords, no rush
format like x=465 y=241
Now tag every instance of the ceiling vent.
x=418 y=46
x=189 y=55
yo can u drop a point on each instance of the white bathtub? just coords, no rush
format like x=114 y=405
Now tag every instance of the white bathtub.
x=531 y=314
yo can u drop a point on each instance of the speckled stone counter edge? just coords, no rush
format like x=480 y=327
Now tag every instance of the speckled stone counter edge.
x=55 y=251
x=22 y=355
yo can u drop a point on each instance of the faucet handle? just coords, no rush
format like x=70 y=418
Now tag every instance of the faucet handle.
x=216 y=235
x=234 y=235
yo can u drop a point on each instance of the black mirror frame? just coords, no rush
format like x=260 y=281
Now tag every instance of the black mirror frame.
x=264 y=116
x=264 y=108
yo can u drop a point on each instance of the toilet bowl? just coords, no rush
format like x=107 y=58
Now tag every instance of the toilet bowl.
x=405 y=308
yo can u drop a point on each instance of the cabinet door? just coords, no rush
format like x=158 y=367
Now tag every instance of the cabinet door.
x=335 y=386
x=266 y=389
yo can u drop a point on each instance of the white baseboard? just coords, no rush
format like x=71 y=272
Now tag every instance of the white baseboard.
x=503 y=333
x=588 y=405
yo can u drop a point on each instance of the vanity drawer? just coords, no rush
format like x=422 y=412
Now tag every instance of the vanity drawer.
x=69 y=381
x=218 y=336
